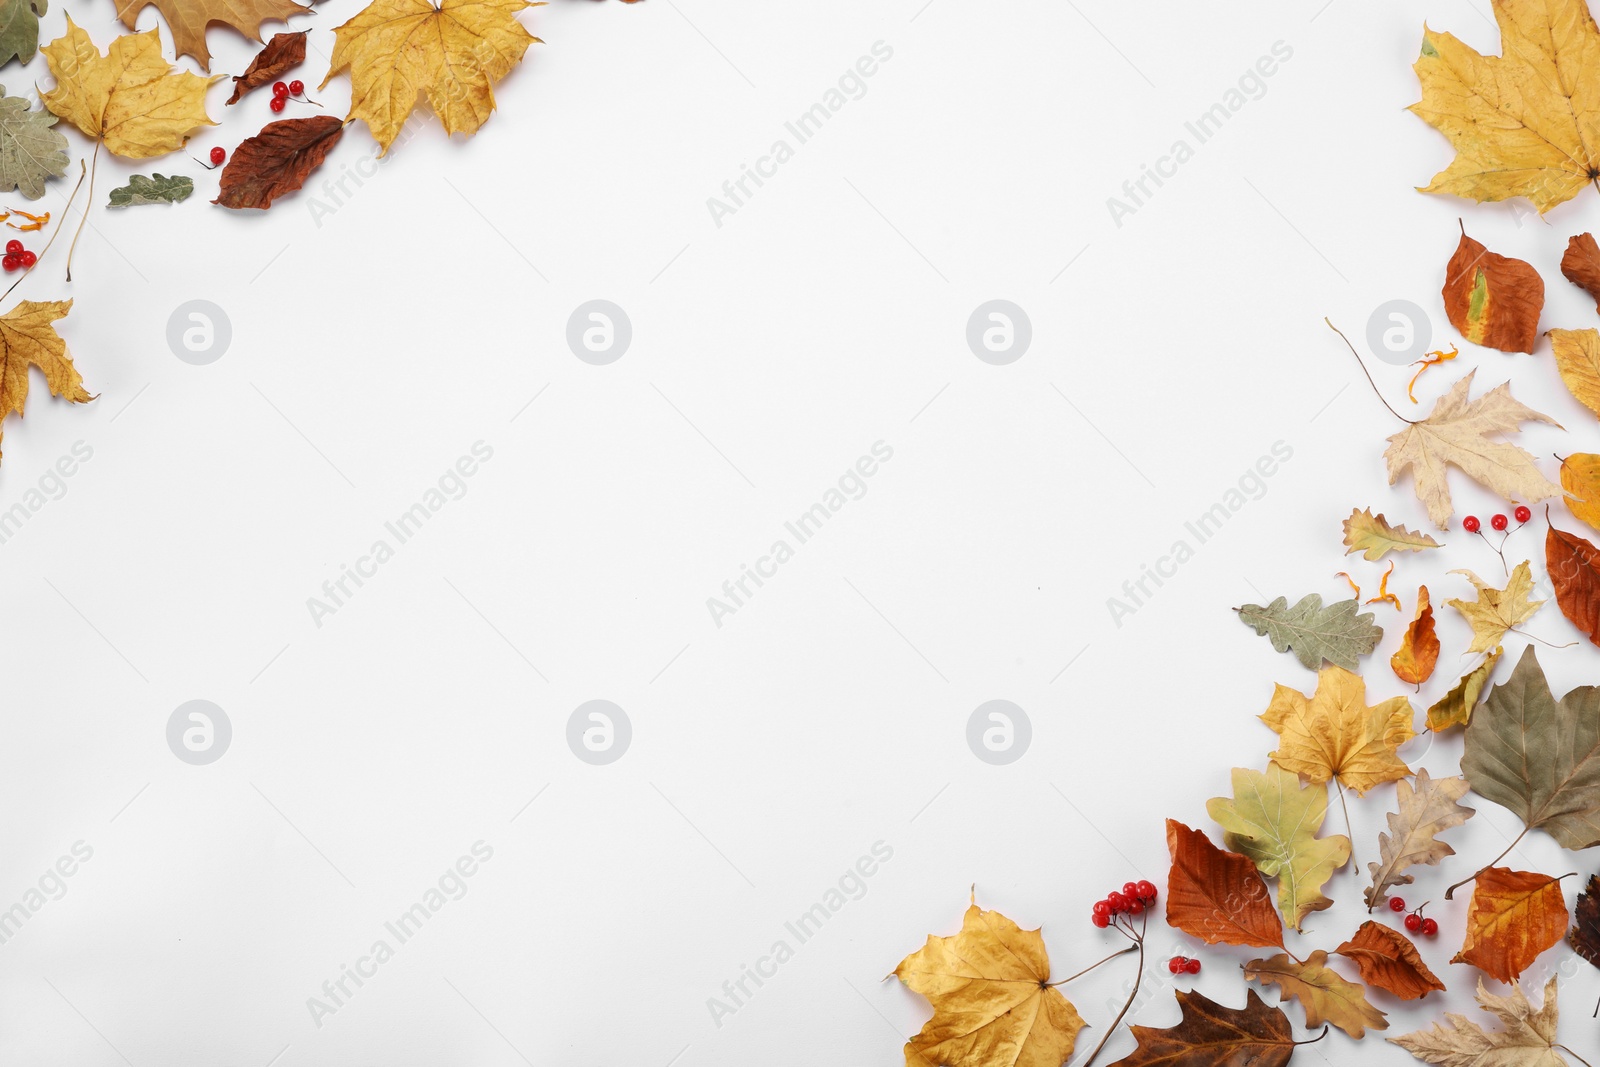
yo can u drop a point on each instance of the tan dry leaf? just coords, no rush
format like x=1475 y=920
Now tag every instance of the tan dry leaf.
x=1372 y=536
x=1527 y=1038
x=1325 y=996
x=1426 y=810
x=1497 y=611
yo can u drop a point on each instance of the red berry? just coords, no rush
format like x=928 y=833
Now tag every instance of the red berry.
x=1471 y=524
x=1192 y=966
x=280 y=89
x=278 y=103
x=1117 y=901
x=297 y=87
x=1413 y=922
x=1522 y=513
x=1102 y=921
x=13 y=247
x=1102 y=908
x=218 y=154
x=1176 y=964
x=1135 y=907
x=29 y=259
x=1130 y=890
x=1397 y=904
x=1499 y=522
x=10 y=262
x=1147 y=890
x=1429 y=927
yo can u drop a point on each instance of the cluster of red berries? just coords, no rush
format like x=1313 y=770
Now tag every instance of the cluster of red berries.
x=281 y=92
x=1132 y=900
x=17 y=257
x=1183 y=965
x=1499 y=522
x=1415 y=921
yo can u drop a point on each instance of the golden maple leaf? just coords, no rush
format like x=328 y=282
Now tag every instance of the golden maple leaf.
x=188 y=19
x=453 y=52
x=1334 y=734
x=992 y=1001
x=1577 y=355
x=1526 y=122
x=130 y=99
x=28 y=339
x=1497 y=610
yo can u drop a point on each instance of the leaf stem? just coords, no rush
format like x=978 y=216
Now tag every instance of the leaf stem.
x=1449 y=894
x=94 y=166
x=1092 y=966
x=1368 y=373
x=1573 y=1054
x=1355 y=867
x=1311 y=1040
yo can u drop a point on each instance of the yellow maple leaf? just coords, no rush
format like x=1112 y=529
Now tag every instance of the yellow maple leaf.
x=453 y=52
x=1497 y=610
x=1526 y=122
x=1580 y=477
x=1577 y=355
x=1333 y=734
x=130 y=99
x=188 y=19
x=992 y=1001
x=28 y=338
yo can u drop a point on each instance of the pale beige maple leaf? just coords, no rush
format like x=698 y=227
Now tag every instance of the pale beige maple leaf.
x=1527 y=1037
x=1497 y=610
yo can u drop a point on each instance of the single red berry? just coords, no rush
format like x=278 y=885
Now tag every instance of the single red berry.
x=1147 y=890
x=218 y=154
x=277 y=103
x=1522 y=513
x=1136 y=907
x=1429 y=927
x=13 y=247
x=280 y=89
x=1130 y=889
x=1192 y=966
x=1117 y=901
x=10 y=262
x=1102 y=908
x=28 y=258
x=1397 y=904
x=1102 y=921
x=297 y=87
x=1499 y=522
x=1413 y=922
x=1176 y=964
x=1471 y=524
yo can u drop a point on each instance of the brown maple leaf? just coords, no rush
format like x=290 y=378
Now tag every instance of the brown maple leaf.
x=1212 y=1035
x=188 y=20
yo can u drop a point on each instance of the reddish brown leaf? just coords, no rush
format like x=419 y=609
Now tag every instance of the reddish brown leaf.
x=1390 y=961
x=277 y=160
x=1492 y=300
x=1515 y=915
x=1212 y=1035
x=1581 y=265
x=283 y=53
x=1419 y=649
x=1218 y=896
x=1584 y=937
x=1574 y=568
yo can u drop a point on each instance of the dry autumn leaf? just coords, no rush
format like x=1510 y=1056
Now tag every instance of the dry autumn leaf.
x=1492 y=300
x=1372 y=536
x=1527 y=1038
x=1497 y=611
x=1455 y=707
x=1314 y=633
x=1523 y=123
x=992 y=1002
x=19 y=29
x=282 y=54
x=1580 y=477
x=28 y=338
x=1577 y=355
x=1273 y=820
x=1211 y=1035
x=277 y=160
x=1580 y=264
x=1573 y=565
x=1326 y=997
x=1390 y=961
x=1514 y=916
x=1426 y=810
x=1217 y=896
x=1334 y=734
x=454 y=53
x=188 y=19
x=1584 y=937
x=1419 y=649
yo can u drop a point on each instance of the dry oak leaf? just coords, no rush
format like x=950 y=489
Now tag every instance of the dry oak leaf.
x=1427 y=810
x=1580 y=477
x=1577 y=355
x=1372 y=536
x=1390 y=961
x=28 y=338
x=129 y=99
x=1527 y=1038
x=1211 y=1035
x=1492 y=300
x=992 y=1002
x=1315 y=632
x=1334 y=734
x=1514 y=916
x=1580 y=264
x=1460 y=432
x=1584 y=937
x=277 y=160
x=1523 y=123
x=282 y=54
x=1217 y=896
x=188 y=19
x=453 y=52
x=1273 y=820
x=1326 y=997
x=1573 y=565
x=1455 y=707
x=1497 y=611
x=1419 y=648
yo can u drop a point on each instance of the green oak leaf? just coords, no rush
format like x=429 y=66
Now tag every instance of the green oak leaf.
x=19 y=29
x=1315 y=632
x=30 y=149
x=155 y=189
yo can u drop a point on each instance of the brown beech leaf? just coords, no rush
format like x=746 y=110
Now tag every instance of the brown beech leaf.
x=1212 y=1035
x=1581 y=265
x=1419 y=649
x=1492 y=300
x=1218 y=896
x=277 y=160
x=1515 y=915
x=1584 y=937
x=282 y=54
x=1326 y=997
x=1574 y=568
x=1390 y=961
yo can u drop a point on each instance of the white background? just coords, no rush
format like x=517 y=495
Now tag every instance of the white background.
x=373 y=346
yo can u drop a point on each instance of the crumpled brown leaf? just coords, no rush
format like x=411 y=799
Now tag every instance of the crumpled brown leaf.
x=282 y=54
x=277 y=160
x=1390 y=961
x=1581 y=265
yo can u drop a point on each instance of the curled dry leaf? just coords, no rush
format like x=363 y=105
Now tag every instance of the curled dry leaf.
x=28 y=338
x=277 y=160
x=1334 y=734
x=1212 y=1035
x=1577 y=355
x=1326 y=997
x=1463 y=433
x=1574 y=568
x=1580 y=477
x=1335 y=633
x=1217 y=896
x=188 y=19
x=1455 y=707
x=1426 y=811
x=282 y=54
x=1390 y=961
x=1493 y=300
x=1581 y=265
x=989 y=988
x=1526 y=1038
x=1584 y=937
x=1497 y=611
x=152 y=189
x=1514 y=916
x=1419 y=649
x=1372 y=536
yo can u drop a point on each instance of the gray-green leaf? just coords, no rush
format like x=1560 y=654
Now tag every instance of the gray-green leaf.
x=1315 y=633
x=19 y=29
x=30 y=150
x=157 y=189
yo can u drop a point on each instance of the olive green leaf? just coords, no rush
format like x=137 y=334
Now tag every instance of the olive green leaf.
x=1426 y=810
x=1455 y=707
x=30 y=149
x=19 y=29
x=156 y=189
x=1315 y=632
